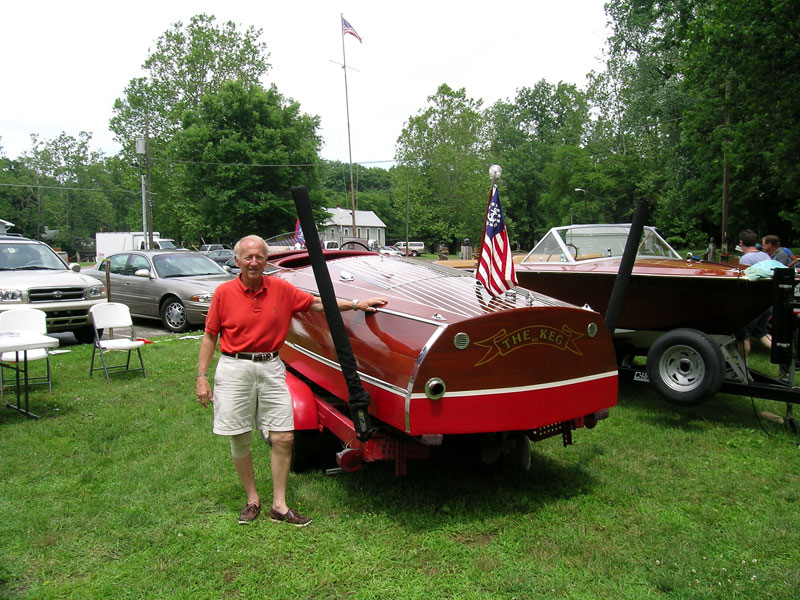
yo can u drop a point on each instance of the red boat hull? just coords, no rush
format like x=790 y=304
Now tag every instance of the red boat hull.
x=443 y=357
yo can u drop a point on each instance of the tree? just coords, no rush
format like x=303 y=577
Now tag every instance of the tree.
x=635 y=138
x=60 y=184
x=443 y=152
x=741 y=69
x=692 y=86
x=240 y=152
x=188 y=62
x=526 y=136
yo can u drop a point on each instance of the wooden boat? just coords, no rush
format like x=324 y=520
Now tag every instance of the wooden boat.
x=579 y=263
x=443 y=357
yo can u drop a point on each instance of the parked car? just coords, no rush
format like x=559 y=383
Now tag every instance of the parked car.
x=33 y=276
x=220 y=256
x=206 y=248
x=389 y=251
x=414 y=248
x=231 y=265
x=171 y=285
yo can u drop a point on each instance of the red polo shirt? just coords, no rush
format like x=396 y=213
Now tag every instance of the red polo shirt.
x=249 y=321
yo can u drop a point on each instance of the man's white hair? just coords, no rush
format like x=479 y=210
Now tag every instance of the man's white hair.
x=246 y=238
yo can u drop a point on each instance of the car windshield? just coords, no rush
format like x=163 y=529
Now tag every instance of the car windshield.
x=185 y=264
x=30 y=257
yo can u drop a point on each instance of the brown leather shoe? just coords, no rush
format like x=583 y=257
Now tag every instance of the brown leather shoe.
x=249 y=513
x=290 y=517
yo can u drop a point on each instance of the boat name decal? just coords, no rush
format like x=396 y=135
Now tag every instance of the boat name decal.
x=503 y=342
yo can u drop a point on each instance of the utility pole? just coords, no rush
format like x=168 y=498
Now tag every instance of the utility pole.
x=725 y=179
x=140 y=150
x=143 y=147
x=147 y=174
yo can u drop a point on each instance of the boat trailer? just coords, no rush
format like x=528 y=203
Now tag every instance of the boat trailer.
x=687 y=367
x=317 y=413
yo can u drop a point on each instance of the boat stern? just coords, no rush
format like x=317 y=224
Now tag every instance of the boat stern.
x=513 y=370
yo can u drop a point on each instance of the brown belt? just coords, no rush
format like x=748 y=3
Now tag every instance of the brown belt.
x=254 y=356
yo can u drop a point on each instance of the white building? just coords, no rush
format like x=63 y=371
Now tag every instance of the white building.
x=4 y=226
x=340 y=226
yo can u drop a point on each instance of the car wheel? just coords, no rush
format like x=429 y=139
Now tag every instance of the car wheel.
x=414 y=253
x=85 y=335
x=173 y=315
x=685 y=366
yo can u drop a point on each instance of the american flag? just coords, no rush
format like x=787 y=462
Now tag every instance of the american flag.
x=347 y=28
x=298 y=234
x=496 y=266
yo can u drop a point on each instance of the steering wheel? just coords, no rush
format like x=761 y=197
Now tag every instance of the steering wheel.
x=353 y=246
x=573 y=248
x=557 y=251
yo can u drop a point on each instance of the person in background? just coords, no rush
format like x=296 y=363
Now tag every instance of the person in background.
x=758 y=327
x=251 y=314
x=750 y=253
x=771 y=244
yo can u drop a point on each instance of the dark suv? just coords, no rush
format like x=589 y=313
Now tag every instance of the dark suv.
x=32 y=275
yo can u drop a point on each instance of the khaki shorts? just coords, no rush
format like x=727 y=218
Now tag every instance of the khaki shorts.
x=250 y=395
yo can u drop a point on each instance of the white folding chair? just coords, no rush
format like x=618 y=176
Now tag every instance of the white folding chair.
x=109 y=316
x=31 y=320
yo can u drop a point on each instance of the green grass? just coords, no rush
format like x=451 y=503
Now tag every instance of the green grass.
x=122 y=491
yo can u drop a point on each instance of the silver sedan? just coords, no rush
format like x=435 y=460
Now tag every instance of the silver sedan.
x=173 y=286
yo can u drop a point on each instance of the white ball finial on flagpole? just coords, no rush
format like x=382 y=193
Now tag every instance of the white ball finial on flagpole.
x=495 y=171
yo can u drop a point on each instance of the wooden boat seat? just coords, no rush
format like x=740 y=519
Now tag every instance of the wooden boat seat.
x=589 y=256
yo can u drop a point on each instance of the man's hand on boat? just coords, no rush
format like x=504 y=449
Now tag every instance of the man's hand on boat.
x=366 y=305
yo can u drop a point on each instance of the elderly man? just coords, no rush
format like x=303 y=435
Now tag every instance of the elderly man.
x=251 y=315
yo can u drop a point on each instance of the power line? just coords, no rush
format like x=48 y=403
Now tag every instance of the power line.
x=319 y=164
x=223 y=164
x=64 y=187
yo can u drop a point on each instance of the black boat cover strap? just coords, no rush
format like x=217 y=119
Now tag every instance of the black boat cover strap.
x=359 y=399
x=626 y=265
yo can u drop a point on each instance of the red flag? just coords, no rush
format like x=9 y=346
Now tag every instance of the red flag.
x=496 y=264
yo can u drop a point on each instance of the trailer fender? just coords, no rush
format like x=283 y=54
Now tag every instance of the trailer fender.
x=304 y=404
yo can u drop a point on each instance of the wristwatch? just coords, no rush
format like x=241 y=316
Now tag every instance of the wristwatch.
x=355 y=304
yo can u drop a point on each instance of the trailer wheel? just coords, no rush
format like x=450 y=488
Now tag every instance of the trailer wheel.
x=685 y=366
x=313 y=450
x=302 y=450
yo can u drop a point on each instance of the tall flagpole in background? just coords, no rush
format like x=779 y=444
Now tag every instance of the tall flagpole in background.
x=347 y=28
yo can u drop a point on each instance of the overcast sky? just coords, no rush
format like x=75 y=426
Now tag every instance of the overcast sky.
x=64 y=63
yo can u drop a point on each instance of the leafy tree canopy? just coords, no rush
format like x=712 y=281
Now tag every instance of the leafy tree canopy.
x=241 y=150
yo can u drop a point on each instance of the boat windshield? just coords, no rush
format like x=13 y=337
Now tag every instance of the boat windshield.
x=591 y=242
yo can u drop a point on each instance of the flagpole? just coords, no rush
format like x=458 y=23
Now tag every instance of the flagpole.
x=349 y=144
x=495 y=171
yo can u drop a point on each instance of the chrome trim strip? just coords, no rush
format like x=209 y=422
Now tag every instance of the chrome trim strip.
x=435 y=322
x=523 y=388
x=431 y=340
x=334 y=365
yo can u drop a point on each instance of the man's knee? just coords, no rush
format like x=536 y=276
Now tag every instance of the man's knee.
x=281 y=439
x=240 y=444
